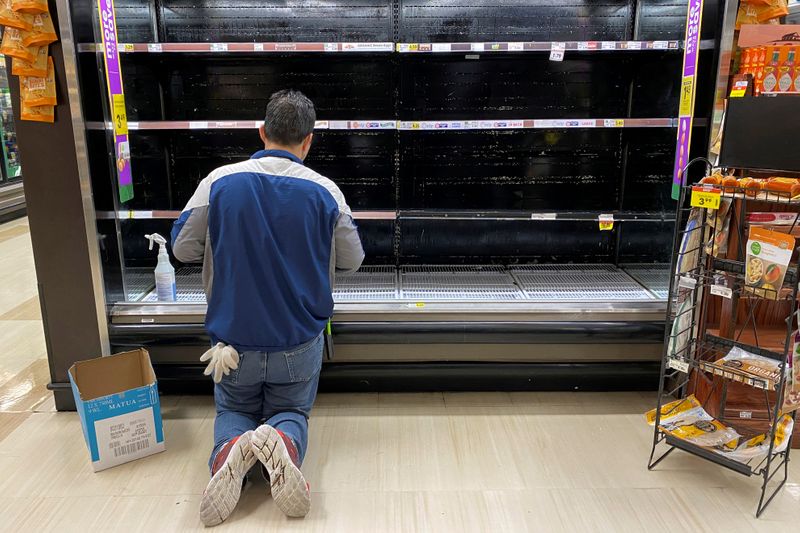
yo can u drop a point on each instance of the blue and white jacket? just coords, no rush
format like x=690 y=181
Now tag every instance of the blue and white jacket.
x=271 y=233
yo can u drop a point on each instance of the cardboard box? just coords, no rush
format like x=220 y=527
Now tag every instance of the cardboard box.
x=117 y=400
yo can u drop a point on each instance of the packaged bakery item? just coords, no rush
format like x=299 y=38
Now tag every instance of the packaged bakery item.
x=780 y=186
x=42 y=113
x=761 y=12
x=756 y=449
x=756 y=370
x=791 y=393
x=718 y=223
x=42 y=33
x=29 y=6
x=20 y=67
x=672 y=409
x=37 y=92
x=768 y=257
x=700 y=428
x=12 y=45
x=13 y=19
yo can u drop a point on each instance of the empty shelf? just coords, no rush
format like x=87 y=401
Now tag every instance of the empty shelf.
x=578 y=283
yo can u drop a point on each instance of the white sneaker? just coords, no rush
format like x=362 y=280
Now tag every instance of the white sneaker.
x=230 y=467
x=278 y=454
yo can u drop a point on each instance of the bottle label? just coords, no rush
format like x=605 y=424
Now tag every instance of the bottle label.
x=165 y=287
x=770 y=82
x=785 y=82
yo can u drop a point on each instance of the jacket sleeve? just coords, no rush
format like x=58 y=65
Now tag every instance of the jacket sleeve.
x=190 y=230
x=347 y=244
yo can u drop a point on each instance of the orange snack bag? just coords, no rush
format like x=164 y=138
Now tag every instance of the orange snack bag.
x=12 y=19
x=44 y=113
x=43 y=32
x=30 y=6
x=12 y=45
x=37 y=92
x=37 y=68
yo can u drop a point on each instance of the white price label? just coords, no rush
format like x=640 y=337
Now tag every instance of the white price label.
x=543 y=216
x=746 y=414
x=154 y=47
x=440 y=47
x=721 y=290
x=679 y=365
x=557 y=51
x=687 y=283
x=583 y=45
x=258 y=47
x=516 y=47
x=197 y=125
x=634 y=45
x=477 y=47
x=608 y=45
x=660 y=45
x=219 y=47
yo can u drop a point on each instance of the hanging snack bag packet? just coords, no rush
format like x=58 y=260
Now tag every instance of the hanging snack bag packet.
x=20 y=67
x=12 y=45
x=42 y=33
x=43 y=113
x=765 y=371
x=673 y=409
x=29 y=6
x=768 y=257
x=757 y=448
x=39 y=91
x=13 y=19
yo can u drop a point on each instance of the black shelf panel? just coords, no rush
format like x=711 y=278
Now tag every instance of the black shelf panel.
x=709 y=455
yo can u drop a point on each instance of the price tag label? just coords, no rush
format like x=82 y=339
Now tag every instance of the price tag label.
x=583 y=45
x=687 y=283
x=557 y=51
x=258 y=47
x=128 y=47
x=219 y=47
x=198 y=125
x=417 y=305
x=660 y=45
x=154 y=47
x=739 y=89
x=543 y=216
x=120 y=116
x=679 y=365
x=634 y=45
x=608 y=45
x=706 y=197
x=606 y=222
x=720 y=290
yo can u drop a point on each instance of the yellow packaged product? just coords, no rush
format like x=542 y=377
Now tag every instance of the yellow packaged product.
x=13 y=19
x=669 y=410
x=761 y=12
x=42 y=33
x=12 y=45
x=20 y=67
x=698 y=427
x=756 y=449
x=39 y=91
x=43 y=113
x=30 y=6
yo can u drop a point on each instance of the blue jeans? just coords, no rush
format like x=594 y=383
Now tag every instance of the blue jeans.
x=277 y=388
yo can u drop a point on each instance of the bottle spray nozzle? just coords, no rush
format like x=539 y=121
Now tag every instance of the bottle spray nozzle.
x=158 y=239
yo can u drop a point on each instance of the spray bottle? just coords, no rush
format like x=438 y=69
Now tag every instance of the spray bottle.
x=166 y=289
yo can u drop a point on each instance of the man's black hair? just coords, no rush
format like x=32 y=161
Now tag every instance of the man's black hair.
x=290 y=117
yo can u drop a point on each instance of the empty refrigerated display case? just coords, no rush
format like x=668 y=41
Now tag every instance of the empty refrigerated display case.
x=515 y=209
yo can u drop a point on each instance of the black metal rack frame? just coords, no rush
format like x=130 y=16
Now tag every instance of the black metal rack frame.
x=689 y=370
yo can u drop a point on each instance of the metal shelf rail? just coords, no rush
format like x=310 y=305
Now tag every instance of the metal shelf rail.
x=488 y=283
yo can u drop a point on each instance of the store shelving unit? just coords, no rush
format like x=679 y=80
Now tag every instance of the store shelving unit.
x=698 y=290
x=478 y=170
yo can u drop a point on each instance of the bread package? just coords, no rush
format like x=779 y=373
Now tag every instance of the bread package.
x=42 y=113
x=29 y=6
x=13 y=19
x=37 y=68
x=42 y=33
x=37 y=92
x=12 y=45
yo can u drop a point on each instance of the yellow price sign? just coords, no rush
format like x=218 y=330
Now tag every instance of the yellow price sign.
x=687 y=92
x=606 y=222
x=706 y=197
x=120 y=117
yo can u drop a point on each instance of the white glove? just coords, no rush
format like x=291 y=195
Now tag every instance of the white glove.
x=221 y=360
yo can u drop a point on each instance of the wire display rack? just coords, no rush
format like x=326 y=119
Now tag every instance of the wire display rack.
x=369 y=283
x=704 y=282
x=578 y=283
x=189 y=282
x=655 y=278
x=457 y=283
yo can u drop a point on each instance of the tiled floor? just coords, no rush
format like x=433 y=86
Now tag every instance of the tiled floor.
x=462 y=462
